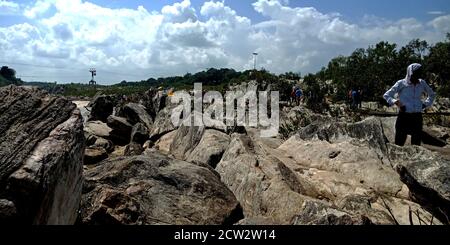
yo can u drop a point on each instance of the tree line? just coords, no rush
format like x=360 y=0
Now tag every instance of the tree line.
x=378 y=67
x=373 y=69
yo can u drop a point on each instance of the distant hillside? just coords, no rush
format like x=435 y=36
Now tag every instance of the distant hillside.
x=211 y=79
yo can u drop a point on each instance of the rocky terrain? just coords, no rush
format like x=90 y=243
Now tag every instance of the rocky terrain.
x=127 y=164
x=41 y=153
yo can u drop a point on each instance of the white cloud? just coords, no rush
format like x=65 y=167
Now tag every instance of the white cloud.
x=179 y=12
x=9 y=8
x=435 y=12
x=39 y=8
x=442 y=23
x=178 y=39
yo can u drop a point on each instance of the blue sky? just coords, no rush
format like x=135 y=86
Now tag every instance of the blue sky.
x=173 y=37
x=350 y=9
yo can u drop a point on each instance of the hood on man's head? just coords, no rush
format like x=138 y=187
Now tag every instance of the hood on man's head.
x=410 y=71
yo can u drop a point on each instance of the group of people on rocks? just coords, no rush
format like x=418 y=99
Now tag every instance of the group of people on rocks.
x=406 y=94
x=296 y=95
x=355 y=97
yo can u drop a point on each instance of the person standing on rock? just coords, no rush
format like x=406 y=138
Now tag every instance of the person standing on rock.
x=360 y=98
x=354 y=95
x=410 y=91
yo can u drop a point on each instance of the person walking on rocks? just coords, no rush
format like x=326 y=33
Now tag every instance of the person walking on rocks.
x=298 y=95
x=410 y=104
x=292 y=95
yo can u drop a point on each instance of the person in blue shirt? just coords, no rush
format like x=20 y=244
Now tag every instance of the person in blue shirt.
x=298 y=95
x=410 y=104
x=354 y=99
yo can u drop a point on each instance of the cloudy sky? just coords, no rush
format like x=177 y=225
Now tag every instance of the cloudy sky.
x=59 y=40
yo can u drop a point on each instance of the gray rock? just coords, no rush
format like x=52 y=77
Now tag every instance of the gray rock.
x=164 y=143
x=101 y=107
x=148 y=144
x=97 y=128
x=100 y=129
x=8 y=211
x=162 y=124
x=90 y=139
x=293 y=119
x=185 y=140
x=155 y=189
x=139 y=133
x=121 y=129
x=133 y=149
x=154 y=101
x=430 y=137
x=369 y=130
x=104 y=143
x=427 y=177
x=120 y=124
x=362 y=205
x=255 y=179
x=41 y=154
x=210 y=148
x=94 y=155
x=318 y=213
x=136 y=113
x=388 y=124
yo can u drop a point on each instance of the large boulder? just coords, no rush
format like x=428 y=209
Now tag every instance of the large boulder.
x=136 y=113
x=344 y=166
x=41 y=154
x=293 y=119
x=342 y=171
x=256 y=181
x=101 y=107
x=155 y=189
x=121 y=129
x=98 y=129
x=185 y=140
x=139 y=134
x=388 y=124
x=93 y=155
x=154 y=101
x=162 y=125
x=427 y=176
x=359 y=164
x=369 y=130
x=164 y=143
x=210 y=148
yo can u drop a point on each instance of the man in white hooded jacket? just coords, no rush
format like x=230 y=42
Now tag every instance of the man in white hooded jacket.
x=410 y=91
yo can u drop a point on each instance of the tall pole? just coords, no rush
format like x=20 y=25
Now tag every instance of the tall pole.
x=254 y=60
x=93 y=72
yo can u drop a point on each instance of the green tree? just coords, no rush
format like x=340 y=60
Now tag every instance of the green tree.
x=8 y=76
x=438 y=66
